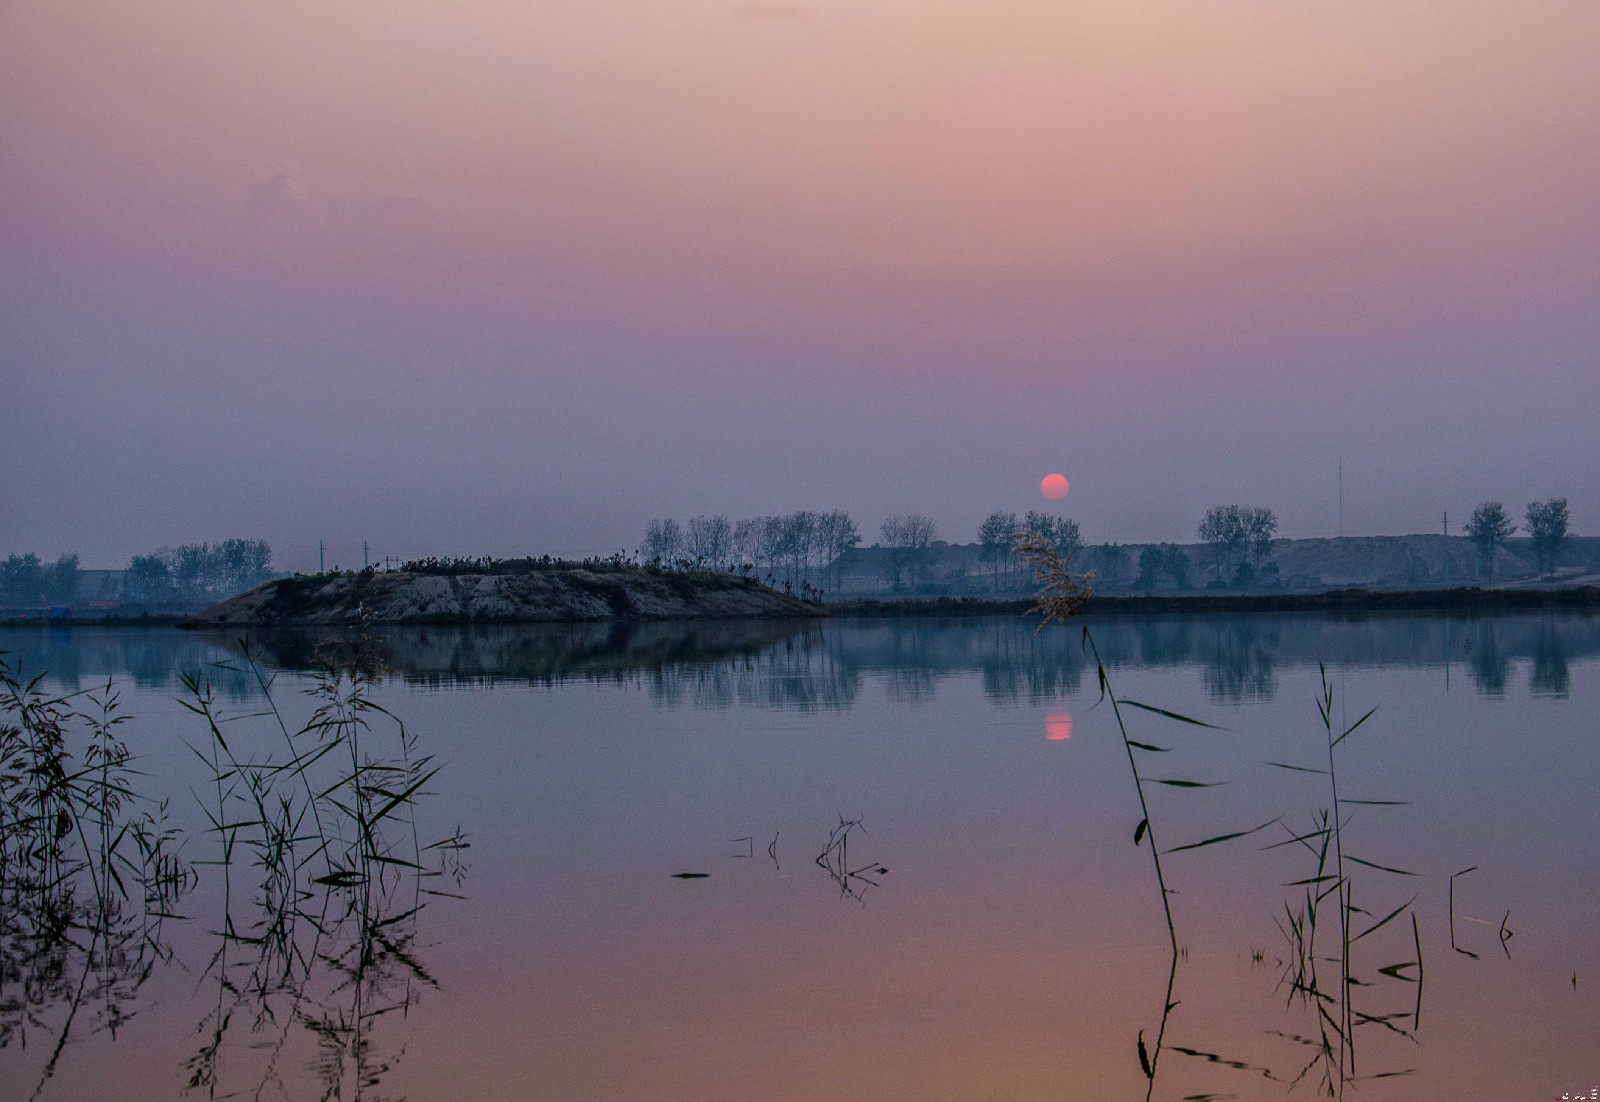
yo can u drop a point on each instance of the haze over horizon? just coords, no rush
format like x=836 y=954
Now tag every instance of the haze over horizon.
x=514 y=278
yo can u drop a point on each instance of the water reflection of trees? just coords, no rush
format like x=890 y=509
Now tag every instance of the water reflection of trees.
x=1550 y=675
x=1488 y=660
x=809 y=665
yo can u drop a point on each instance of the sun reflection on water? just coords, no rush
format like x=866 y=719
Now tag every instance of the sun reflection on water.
x=1058 y=725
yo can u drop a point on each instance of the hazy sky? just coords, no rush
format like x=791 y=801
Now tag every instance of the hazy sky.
x=512 y=277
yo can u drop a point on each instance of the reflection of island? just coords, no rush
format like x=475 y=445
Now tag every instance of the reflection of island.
x=545 y=654
x=809 y=664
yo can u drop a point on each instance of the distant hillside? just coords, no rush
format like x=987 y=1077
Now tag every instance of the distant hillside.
x=1301 y=566
x=565 y=593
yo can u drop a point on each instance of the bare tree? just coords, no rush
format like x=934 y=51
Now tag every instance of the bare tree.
x=895 y=540
x=710 y=538
x=802 y=542
x=836 y=533
x=1488 y=529
x=1548 y=523
x=995 y=539
x=663 y=541
x=1260 y=526
x=1062 y=532
x=1221 y=529
x=1237 y=537
x=747 y=537
x=774 y=544
x=920 y=534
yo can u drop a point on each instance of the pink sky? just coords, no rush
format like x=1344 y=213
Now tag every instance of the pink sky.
x=519 y=276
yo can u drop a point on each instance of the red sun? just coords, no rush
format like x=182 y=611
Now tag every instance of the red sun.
x=1058 y=725
x=1053 y=486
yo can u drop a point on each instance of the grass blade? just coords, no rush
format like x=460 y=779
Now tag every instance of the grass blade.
x=1170 y=715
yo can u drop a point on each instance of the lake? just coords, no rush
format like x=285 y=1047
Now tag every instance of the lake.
x=854 y=859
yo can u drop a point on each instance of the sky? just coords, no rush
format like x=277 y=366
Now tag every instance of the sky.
x=516 y=277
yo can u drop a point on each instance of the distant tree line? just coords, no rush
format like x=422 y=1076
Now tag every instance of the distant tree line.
x=1238 y=539
x=786 y=549
x=1111 y=564
x=198 y=571
x=26 y=581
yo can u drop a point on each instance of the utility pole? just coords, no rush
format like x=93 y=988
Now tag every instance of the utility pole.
x=321 y=566
x=1341 y=497
x=1447 y=552
x=364 y=562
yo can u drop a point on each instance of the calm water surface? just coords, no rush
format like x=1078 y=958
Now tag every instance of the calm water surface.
x=1003 y=936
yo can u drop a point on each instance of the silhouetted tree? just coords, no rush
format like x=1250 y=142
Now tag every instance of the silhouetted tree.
x=1260 y=526
x=908 y=540
x=1111 y=564
x=147 y=579
x=710 y=539
x=995 y=541
x=893 y=538
x=1177 y=565
x=836 y=533
x=663 y=541
x=1236 y=533
x=1488 y=530
x=800 y=539
x=22 y=580
x=1061 y=531
x=774 y=544
x=1548 y=522
x=1223 y=529
x=61 y=581
x=1151 y=563
x=747 y=540
x=244 y=564
x=920 y=533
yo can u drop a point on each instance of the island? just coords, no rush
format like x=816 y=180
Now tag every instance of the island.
x=505 y=592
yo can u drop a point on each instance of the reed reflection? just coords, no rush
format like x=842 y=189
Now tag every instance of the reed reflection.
x=312 y=897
